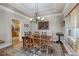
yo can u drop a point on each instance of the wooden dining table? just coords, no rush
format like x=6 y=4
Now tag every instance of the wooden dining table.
x=38 y=43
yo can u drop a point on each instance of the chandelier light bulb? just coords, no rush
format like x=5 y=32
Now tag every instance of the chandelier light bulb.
x=42 y=18
x=38 y=17
x=31 y=19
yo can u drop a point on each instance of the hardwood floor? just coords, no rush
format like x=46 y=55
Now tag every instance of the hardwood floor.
x=58 y=50
x=16 y=42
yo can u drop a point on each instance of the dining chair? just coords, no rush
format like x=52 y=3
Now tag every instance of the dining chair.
x=44 y=42
x=36 y=33
x=26 y=42
x=27 y=33
x=44 y=35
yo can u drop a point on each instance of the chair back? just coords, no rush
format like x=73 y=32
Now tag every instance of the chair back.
x=44 y=35
x=36 y=34
x=27 y=33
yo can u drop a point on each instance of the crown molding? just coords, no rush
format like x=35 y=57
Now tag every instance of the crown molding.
x=21 y=8
x=9 y=10
x=57 y=14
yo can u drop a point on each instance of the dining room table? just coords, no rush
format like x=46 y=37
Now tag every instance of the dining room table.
x=36 y=42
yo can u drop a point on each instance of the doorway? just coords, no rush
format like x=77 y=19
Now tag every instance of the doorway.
x=15 y=33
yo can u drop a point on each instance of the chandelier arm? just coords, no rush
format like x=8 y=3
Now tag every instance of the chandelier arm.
x=36 y=14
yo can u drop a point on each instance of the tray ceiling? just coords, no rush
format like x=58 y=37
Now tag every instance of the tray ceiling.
x=43 y=8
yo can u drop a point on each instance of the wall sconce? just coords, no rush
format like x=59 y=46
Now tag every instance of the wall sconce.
x=26 y=25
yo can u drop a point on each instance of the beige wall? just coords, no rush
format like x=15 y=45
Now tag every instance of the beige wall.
x=6 y=16
x=55 y=25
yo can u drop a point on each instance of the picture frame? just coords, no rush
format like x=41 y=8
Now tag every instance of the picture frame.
x=43 y=25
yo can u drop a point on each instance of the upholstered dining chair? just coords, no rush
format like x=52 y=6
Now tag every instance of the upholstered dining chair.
x=27 y=33
x=44 y=35
x=44 y=42
x=27 y=42
x=36 y=33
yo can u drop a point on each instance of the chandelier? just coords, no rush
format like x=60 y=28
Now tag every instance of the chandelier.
x=36 y=16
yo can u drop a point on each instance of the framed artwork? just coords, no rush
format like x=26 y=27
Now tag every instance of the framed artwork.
x=43 y=25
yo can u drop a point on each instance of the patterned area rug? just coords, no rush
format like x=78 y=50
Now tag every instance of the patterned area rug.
x=9 y=51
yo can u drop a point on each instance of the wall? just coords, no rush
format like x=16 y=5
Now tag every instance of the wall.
x=55 y=25
x=6 y=16
x=5 y=27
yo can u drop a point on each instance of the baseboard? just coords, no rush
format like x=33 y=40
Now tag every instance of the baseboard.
x=5 y=45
